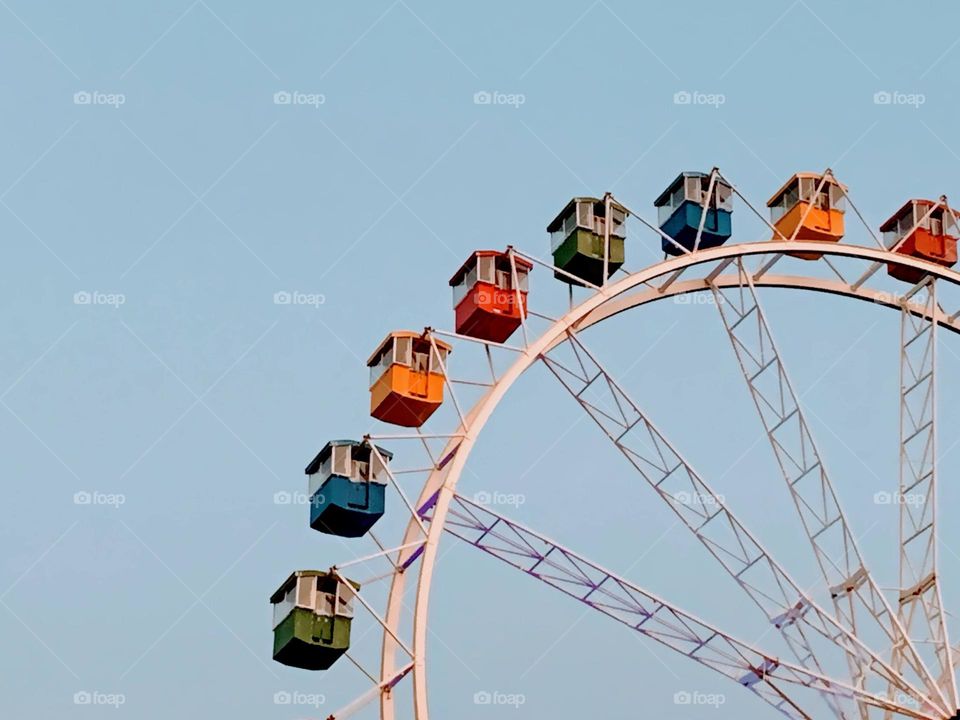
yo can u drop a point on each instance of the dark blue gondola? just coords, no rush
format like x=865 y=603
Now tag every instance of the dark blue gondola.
x=680 y=207
x=347 y=487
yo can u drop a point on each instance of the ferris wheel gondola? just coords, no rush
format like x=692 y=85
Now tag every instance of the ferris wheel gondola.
x=912 y=673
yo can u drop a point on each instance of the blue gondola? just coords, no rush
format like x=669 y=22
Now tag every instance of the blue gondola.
x=680 y=206
x=347 y=487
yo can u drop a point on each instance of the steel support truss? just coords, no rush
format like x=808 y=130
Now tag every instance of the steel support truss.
x=626 y=602
x=920 y=604
x=785 y=604
x=854 y=592
x=694 y=272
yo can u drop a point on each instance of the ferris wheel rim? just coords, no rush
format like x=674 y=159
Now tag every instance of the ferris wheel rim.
x=604 y=303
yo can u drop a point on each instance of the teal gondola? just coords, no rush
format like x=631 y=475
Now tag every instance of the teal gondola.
x=680 y=208
x=347 y=482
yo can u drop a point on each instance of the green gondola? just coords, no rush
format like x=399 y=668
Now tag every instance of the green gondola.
x=312 y=614
x=578 y=241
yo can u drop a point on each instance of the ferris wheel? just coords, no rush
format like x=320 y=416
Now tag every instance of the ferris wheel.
x=851 y=649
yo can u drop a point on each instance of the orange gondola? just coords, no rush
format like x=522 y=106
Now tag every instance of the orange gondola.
x=407 y=377
x=799 y=212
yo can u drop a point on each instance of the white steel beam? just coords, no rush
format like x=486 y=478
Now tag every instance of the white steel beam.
x=786 y=605
x=575 y=575
x=920 y=607
x=854 y=592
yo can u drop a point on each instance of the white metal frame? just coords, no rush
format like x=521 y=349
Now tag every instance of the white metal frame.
x=626 y=602
x=703 y=271
x=920 y=608
x=853 y=589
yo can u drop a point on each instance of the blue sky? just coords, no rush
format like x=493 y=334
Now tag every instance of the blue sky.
x=156 y=193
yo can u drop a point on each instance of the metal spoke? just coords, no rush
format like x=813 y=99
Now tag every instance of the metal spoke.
x=786 y=605
x=372 y=694
x=853 y=590
x=624 y=601
x=763 y=580
x=920 y=601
